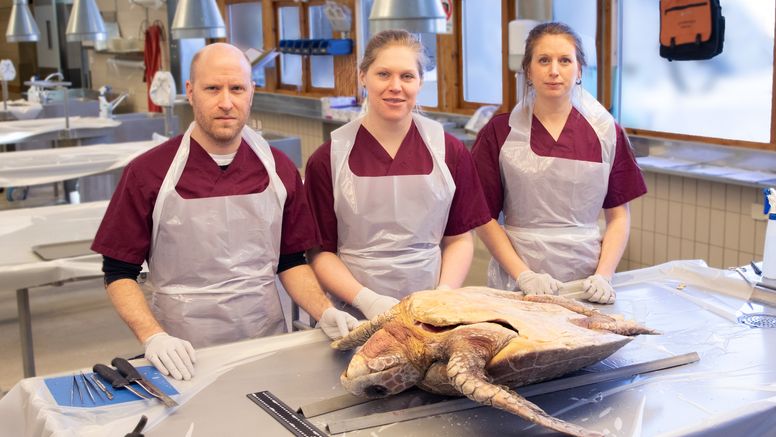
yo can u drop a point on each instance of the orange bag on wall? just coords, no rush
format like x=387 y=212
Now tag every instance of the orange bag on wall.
x=691 y=29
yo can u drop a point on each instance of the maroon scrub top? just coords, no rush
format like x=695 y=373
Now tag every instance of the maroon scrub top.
x=577 y=141
x=369 y=159
x=125 y=231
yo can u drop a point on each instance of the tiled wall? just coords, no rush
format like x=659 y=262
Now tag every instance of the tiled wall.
x=687 y=218
x=310 y=131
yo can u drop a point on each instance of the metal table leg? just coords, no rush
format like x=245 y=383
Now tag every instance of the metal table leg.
x=25 y=331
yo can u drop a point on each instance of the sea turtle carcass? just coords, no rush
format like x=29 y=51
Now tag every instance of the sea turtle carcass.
x=478 y=342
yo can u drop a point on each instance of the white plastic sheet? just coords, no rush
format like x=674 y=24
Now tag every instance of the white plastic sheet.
x=23 y=229
x=16 y=131
x=30 y=410
x=53 y=165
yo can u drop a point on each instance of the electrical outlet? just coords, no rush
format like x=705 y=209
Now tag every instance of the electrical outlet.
x=757 y=212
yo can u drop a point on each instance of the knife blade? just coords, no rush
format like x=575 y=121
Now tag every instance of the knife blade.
x=133 y=375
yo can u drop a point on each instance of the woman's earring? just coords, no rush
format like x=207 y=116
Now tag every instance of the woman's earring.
x=529 y=82
x=579 y=81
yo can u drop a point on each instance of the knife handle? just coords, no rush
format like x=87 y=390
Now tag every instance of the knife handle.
x=128 y=370
x=111 y=375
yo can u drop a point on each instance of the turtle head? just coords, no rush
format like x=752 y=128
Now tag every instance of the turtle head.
x=380 y=368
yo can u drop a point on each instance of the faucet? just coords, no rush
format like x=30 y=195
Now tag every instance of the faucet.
x=106 y=107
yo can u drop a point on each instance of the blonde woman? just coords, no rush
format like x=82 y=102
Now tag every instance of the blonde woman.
x=394 y=196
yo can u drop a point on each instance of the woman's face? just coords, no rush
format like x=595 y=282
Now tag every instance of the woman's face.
x=392 y=83
x=554 y=68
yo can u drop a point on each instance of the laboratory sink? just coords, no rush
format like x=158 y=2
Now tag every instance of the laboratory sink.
x=291 y=146
x=137 y=116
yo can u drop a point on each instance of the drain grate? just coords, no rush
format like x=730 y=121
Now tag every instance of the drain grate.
x=758 y=320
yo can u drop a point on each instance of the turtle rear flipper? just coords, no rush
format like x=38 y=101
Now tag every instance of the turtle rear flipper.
x=466 y=372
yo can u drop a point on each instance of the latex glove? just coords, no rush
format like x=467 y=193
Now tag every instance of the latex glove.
x=336 y=324
x=171 y=355
x=537 y=283
x=598 y=289
x=372 y=304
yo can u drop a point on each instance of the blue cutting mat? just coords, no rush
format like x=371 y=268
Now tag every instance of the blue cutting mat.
x=61 y=387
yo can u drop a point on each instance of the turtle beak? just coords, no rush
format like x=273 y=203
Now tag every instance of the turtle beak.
x=361 y=379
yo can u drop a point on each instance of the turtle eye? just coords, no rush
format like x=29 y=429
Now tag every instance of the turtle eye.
x=376 y=391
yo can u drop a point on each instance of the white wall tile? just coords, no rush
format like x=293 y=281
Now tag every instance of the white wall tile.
x=687 y=249
x=662 y=189
x=649 y=179
x=648 y=248
x=703 y=193
x=688 y=221
x=689 y=191
x=675 y=188
x=746 y=236
x=733 y=198
x=674 y=249
x=661 y=248
x=715 y=257
x=702 y=224
x=701 y=251
x=717 y=230
x=674 y=219
x=648 y=217
x=636 y=211
x=732 y=222
x=661 y=214
x=634 y=246
x=718 y=194
x=729 y=258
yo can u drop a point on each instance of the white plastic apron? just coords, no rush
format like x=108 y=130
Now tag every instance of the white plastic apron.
x=551 y=205
x=213 y=260
x=390 y=227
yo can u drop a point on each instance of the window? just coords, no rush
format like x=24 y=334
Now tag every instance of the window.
x=245 y=32
x=288 y=28
x=481 y=50
x=728 y=96
x=581 y=15
x=321 y=67
x=313 y=73
x=429 y=92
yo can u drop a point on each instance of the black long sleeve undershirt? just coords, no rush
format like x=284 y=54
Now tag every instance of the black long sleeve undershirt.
x=115 y=269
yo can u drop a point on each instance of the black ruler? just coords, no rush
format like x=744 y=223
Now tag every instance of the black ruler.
x=293 y=421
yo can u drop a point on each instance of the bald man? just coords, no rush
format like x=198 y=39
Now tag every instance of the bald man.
x=218 y=214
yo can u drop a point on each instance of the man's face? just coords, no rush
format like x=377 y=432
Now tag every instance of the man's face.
x=221 y=96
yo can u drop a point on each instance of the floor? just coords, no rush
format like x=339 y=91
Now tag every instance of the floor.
x=74 y=325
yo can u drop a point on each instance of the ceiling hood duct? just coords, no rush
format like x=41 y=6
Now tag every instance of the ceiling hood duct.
x=197 y=19
x=21 y=25
x=416 y=16
x=85 y=22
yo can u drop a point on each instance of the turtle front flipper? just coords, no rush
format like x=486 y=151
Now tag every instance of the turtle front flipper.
x=362 y=332
x=470 y=352
x=595 y=319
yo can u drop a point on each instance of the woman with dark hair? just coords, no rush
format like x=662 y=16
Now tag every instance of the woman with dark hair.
x=551 y=166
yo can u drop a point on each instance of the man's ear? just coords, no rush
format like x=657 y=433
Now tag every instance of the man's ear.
x=189 y=91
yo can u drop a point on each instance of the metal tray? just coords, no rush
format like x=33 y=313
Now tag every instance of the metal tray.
x=69 y=249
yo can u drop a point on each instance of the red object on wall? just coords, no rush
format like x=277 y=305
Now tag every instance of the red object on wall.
x=153 y=60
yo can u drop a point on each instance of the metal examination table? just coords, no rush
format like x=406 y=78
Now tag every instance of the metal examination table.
x=729 y=391
x=43 y=246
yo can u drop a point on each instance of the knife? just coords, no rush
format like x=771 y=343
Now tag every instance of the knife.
x=131 y=373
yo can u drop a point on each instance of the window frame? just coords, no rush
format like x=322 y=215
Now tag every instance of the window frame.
x=609 y=27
